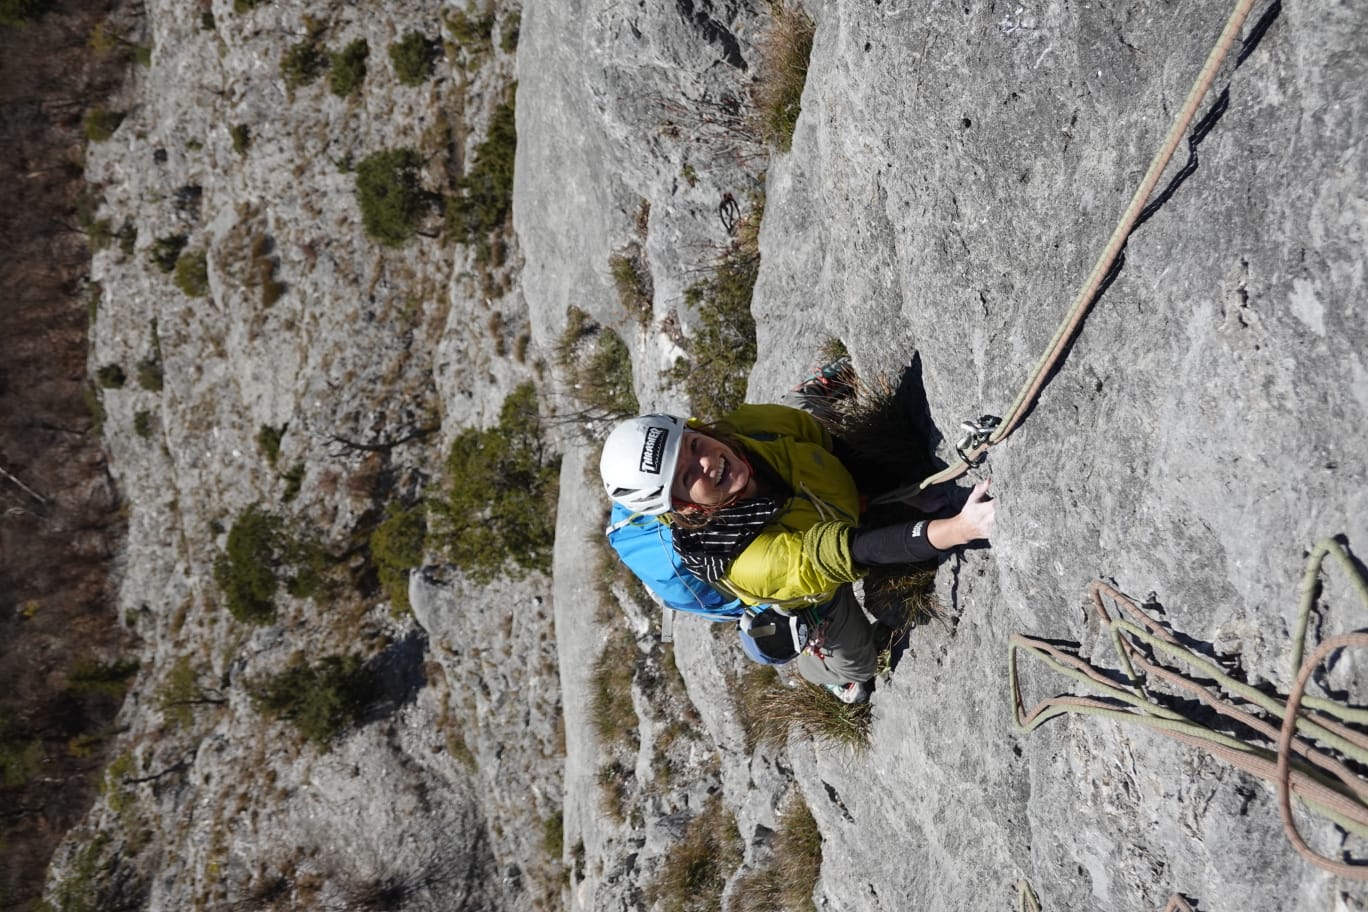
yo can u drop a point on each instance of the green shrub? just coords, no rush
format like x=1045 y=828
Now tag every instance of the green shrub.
x=485 y=193
x=396 y=547
x=142 y=54
x=498 y=513
x=722 y=350
x=697 y=868
x=248 y=573
x=302 y=63
x=242 y=7
x=99 y=234
x=472 y=33
x=391 y=198
x=192 y=273
x=111 y=376
x=414 y=57
x=322 y=700
x=128 y=238
x=294 y=482
x=553 y=835
x=166 y=251
x=268 y=438
x=20 y=760
x=150 y=375
x=242 y=138
x=100 y=124
x=19 y=12
x=207 y=23
x=348 y=68
x=103 y=677
x=777 y=92
x=142 y=423
x=598 y=366
x=509 y=31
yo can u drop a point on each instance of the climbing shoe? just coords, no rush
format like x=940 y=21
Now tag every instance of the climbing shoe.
x=835 y=380
x=820 y=392
x=850 y=694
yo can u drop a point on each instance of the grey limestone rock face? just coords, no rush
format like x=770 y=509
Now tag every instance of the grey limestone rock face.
x=955 y=172
x=954 y=175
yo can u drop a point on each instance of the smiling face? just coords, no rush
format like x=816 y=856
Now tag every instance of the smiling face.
x=709 y=472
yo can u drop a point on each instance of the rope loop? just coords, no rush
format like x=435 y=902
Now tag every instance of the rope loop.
x=1316 y=755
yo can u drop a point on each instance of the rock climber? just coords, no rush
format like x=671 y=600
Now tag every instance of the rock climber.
x=762 y=506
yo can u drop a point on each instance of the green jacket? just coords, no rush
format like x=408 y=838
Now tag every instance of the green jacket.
x=803 y=556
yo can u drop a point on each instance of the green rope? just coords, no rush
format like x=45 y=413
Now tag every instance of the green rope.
x=1323 y=782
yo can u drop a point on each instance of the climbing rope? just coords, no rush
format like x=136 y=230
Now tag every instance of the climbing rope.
x=988 y=430
x=1308 y=755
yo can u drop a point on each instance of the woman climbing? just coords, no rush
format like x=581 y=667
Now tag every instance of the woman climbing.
x=762 y=507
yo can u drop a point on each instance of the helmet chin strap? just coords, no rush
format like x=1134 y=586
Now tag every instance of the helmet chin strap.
x=708 y=509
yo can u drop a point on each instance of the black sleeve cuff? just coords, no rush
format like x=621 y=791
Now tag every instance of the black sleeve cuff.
x=905 y=543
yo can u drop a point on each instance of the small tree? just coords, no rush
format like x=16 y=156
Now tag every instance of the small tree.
x=100 y=124
x=414 y=58
x=391 y=198
x=111 y=376
x=248 y=572
x=485 y=196
x=192 y=273
x=499 y=512
x=166 y=251
x=396 y=547
x=302 y=63
x=322 y=699
x=349 y=68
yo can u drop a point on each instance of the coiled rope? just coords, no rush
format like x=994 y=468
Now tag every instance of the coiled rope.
x=1308 y=755
x=1027 y=901
x=983 y=434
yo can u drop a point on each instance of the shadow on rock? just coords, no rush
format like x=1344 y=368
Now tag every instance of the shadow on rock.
x=399 y=675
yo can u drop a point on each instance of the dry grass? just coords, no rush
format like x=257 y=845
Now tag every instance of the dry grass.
x=611 y=708
x=809 y=710
x=903 y=598
x=632 y=279
x=781 y=73
x=875 y=424
x=696 y=869
x=787 y=882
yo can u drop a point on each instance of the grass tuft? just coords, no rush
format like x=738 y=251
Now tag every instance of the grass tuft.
x=784 y=51
x=722 y=351
x=696 y=869
x=597 y=366
x=632 y=279
x=778 y=710
x=611 y=708
x=786 y=883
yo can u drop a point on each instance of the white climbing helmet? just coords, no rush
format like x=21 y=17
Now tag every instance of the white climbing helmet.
x=638 y=462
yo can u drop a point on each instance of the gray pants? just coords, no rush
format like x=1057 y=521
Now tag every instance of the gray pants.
x=847 y=652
